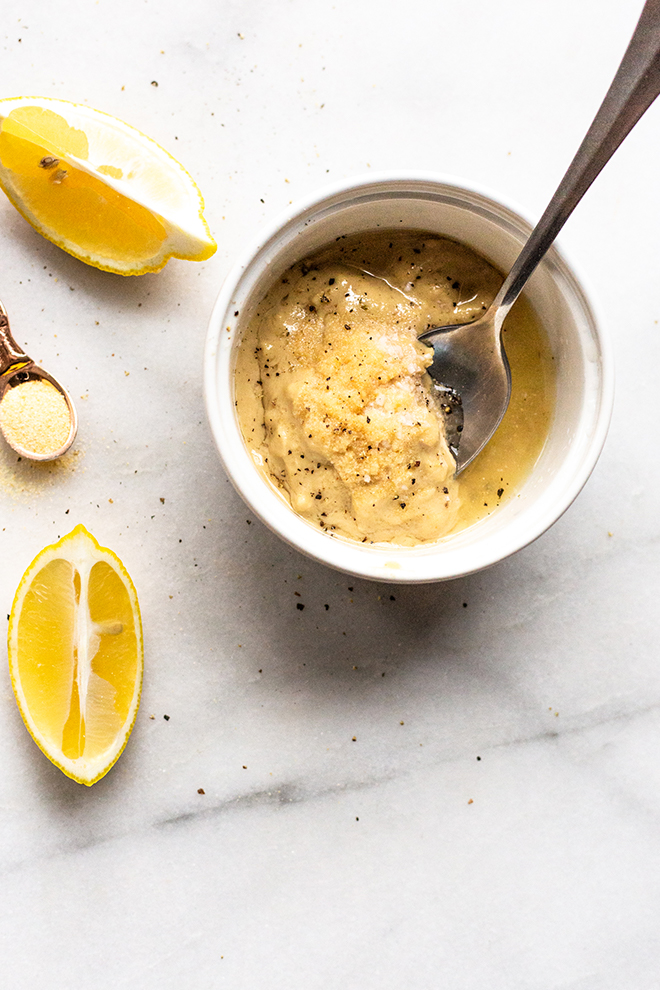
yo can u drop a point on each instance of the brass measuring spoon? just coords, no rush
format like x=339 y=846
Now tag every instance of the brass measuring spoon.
x=17 y=369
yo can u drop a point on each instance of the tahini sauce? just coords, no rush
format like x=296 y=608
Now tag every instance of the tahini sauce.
x=335 y=403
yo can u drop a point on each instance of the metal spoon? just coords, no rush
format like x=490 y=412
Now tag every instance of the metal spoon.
x=16 y=368
x=470 y=367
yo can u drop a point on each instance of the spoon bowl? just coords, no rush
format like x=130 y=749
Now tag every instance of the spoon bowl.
x=471 y=373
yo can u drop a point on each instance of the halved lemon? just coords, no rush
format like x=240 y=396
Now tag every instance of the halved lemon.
x=98 y=188
x=75 y=655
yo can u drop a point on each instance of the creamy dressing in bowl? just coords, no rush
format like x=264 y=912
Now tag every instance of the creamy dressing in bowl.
x=335 y=405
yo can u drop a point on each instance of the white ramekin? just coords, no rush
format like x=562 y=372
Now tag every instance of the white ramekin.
x=466 y=213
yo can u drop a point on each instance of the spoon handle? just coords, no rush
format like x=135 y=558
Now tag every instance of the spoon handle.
x=633 y=90
x=10 y=353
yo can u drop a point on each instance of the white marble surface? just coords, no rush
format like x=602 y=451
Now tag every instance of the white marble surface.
x=506 y=835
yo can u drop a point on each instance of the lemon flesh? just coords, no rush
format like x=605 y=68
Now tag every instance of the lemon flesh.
x=98 y=188
x=75 y=655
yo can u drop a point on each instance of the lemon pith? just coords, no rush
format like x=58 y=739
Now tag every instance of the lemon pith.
x=75 y=655
x=99 y=188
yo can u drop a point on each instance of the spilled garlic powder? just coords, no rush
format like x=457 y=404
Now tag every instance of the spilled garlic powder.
x=35 y=418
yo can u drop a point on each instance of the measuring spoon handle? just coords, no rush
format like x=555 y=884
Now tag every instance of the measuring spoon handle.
x=633 y=90
x=10 y=352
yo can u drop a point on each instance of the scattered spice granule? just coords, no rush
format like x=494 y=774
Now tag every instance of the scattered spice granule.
x=166 y=717
x=470 y=801
x=34 y=417
x=200 y=790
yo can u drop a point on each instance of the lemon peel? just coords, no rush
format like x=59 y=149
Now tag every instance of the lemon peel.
x=99 y=188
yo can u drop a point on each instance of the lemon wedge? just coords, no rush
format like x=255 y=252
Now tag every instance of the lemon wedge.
x=98 y=188
x=75 y=655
